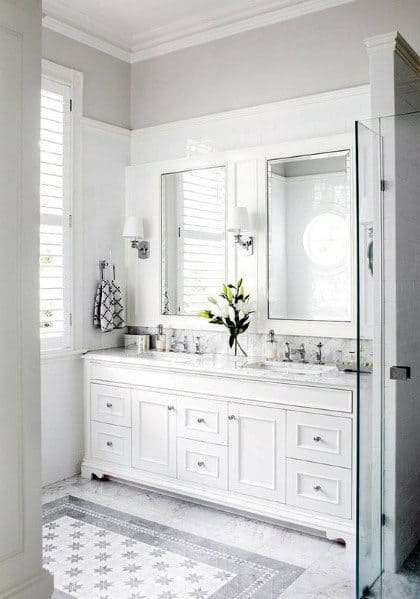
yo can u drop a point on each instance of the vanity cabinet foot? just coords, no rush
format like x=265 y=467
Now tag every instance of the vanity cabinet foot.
x=88 y=472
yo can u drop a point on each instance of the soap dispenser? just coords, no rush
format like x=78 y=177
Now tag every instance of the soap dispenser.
x=160 y=339
x=271 y=347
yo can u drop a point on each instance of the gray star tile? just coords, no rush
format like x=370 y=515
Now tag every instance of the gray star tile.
x=134 y=583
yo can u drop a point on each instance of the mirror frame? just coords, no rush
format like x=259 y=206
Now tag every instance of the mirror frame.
x=343 y=151
x=162 y=214
x=315 y=328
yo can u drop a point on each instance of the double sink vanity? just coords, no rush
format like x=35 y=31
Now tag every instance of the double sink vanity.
x=274 y=440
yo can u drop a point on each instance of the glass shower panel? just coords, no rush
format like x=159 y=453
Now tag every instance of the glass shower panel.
x=388 y=404
x=369 y=326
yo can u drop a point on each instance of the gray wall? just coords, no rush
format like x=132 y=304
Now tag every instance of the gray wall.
x=106 y=82
x=318 y=52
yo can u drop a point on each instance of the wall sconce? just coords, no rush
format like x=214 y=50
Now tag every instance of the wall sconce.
x=238 y=222
x=134 y=230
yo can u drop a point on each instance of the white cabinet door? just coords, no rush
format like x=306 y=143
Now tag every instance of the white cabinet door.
x=257 y=449
x=154 y=432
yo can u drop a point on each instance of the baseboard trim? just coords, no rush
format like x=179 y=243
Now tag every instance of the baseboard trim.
x=40 y=586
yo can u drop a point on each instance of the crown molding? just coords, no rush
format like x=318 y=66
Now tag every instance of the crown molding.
x=179 y=35
x=242 y=113
x=394 y=42
x=170 y=39
x=86 y=38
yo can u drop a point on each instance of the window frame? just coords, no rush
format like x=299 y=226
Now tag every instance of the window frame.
x=74 y=80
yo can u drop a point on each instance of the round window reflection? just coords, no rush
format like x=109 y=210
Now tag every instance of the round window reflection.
x=325 y=240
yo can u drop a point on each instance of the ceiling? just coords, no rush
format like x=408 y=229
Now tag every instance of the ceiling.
x=136 y=30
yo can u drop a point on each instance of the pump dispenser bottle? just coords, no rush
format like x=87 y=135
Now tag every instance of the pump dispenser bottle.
x=271 y=347
x=160 y=339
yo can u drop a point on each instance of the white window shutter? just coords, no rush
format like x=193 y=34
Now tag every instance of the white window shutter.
x=202 y=238
x=55 y=216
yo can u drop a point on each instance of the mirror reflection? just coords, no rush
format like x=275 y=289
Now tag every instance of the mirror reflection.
x=193 y=238
x=309 y=237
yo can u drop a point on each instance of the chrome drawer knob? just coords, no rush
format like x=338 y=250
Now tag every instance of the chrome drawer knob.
x=200 y=464
x=108 y=404
x=317 y=487
x=232 y=417
x=171 y=408
x=109 y=443
x=200 y=420
x=317 y=439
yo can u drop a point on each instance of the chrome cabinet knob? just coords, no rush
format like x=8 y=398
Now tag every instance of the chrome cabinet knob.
x=200 y=420
x=200 y=464
x=109 y=443
x=232 y=417
x=108 y=404
x=171 y=408
x=317 y=439
x=317 y=487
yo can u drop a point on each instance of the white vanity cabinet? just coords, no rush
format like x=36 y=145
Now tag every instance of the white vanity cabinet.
x=153 y=435
x=257 y=442
x=282 y=451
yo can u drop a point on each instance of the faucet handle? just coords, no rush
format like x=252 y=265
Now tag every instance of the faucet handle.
x=198 y=349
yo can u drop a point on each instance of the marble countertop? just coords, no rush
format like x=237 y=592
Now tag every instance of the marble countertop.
x=245 y=368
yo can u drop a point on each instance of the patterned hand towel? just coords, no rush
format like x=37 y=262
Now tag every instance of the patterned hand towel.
x=97 y=306
x=106 y=307
x=119 y=316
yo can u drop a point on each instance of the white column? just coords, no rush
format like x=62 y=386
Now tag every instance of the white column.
x=21 y=573
x=394 y=69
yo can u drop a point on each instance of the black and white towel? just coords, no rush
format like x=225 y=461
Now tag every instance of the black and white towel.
x=119 y=317
x=108 y=311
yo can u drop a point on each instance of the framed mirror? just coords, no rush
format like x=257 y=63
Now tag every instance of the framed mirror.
x=310 y=237
x=193 y=238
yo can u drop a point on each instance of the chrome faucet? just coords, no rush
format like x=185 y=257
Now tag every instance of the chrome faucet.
x=302 y=354
x=319 y=354
x=173 y=343
x=198 y=349
x=185 y=347
x=287 y=353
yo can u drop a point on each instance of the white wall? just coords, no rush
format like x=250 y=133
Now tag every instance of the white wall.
x=314 y=53
x=62 y=417
x=106 y=79
x=106 y=153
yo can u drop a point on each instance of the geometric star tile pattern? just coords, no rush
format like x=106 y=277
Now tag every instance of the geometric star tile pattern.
x=91 y=562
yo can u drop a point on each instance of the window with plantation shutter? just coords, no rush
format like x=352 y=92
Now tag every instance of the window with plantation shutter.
x=201 y=238
x=55 y=216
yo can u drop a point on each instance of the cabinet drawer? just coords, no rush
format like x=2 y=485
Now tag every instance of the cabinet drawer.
x=110 y=404
x=111 y=443
x=202 y=463
x=319 y=438
x=319 y=488
x=202 y=419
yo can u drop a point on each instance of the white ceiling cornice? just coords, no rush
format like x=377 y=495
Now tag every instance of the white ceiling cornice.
x=86 y=38
x=179 y=34
x=394 y=42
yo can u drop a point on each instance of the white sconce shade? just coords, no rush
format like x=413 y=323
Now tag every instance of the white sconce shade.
x=133 y=228
x=238 y=222
x=238 y=219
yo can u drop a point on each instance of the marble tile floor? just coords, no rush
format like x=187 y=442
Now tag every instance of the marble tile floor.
x=329 y=567
x=405 y=583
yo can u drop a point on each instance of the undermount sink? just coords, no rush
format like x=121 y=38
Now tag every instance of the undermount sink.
x=290 y=367
x=167 y=357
